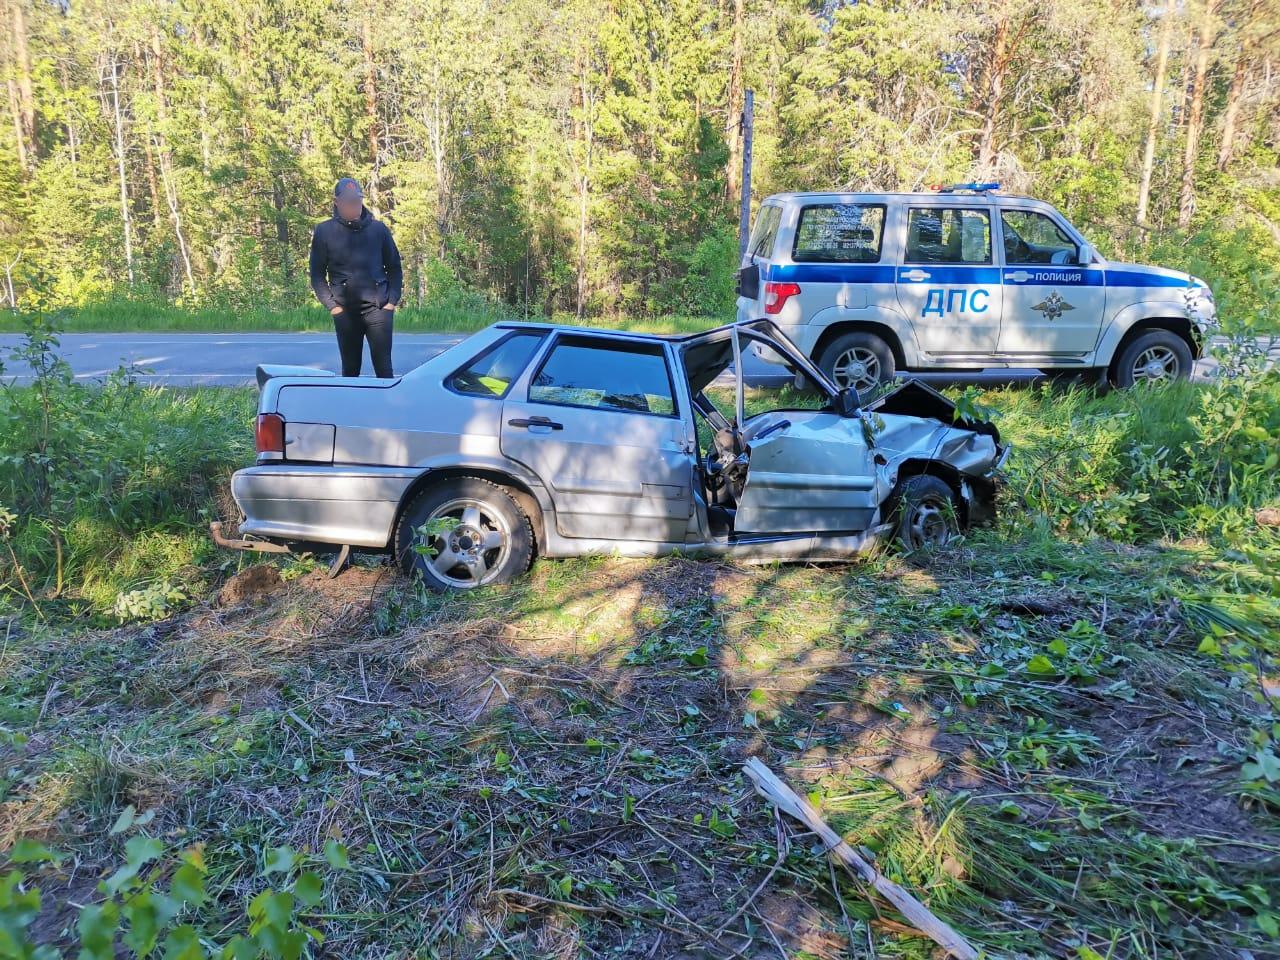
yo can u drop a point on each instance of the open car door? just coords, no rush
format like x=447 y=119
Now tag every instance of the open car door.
x=793 y=471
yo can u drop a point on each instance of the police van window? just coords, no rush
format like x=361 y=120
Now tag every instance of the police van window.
x=1031 y=237
x=492 y=373
x=839 y=233
x=948 y=235
x=765 y=232
x=605 y=375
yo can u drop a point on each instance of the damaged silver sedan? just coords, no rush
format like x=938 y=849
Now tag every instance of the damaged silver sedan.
x=532 y=440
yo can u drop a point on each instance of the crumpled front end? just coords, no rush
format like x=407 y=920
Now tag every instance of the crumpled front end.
x=917 y=430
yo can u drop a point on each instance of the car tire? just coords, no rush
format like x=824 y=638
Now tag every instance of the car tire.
x=925 y=512
x=481 y=529
x=1154 y=356
x=859 y=360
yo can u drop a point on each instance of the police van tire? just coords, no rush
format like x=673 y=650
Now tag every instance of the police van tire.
x=860 y=360
x=1157 y=355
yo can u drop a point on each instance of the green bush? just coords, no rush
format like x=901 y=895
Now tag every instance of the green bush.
x=108 y=484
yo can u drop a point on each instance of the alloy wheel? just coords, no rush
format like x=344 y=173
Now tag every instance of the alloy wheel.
x=466 y=542
x=1156 y=363
x=858 y=368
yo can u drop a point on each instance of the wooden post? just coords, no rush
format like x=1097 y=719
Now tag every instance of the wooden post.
x=744 y=213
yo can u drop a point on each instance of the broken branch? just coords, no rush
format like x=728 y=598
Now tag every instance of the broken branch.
x=773 y=789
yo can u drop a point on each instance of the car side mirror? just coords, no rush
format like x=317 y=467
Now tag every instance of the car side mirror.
x=846 y=402
x=749 y=282
x=1086 y=255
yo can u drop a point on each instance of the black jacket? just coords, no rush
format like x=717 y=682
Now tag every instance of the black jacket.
x=355 y=263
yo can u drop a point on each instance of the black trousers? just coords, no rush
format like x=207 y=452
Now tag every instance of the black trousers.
x=354 y=325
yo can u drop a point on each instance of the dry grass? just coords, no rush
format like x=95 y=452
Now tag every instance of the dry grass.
x=552 y=769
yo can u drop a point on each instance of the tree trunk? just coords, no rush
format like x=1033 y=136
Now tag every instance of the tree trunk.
x=1153 y=123
x=1003 y=50
x=126 y=221
x=734 y=120
x=1231 y=113
x=166 y=161
x=22 y=67
x=18 y=138
x=1195 y=116
x=370 y=103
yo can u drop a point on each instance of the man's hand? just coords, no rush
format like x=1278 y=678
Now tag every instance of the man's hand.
x=334 y=311
x=391 y=307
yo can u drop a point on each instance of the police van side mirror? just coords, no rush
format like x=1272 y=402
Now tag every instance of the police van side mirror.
x=1085 y=256
x=748 y=284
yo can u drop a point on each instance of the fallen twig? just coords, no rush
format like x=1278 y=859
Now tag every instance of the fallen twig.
x=773 y=789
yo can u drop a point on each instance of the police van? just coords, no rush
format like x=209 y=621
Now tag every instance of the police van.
x=869 y=284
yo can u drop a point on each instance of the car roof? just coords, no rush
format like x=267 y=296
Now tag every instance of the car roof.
x=915 y=195
x=622 y=334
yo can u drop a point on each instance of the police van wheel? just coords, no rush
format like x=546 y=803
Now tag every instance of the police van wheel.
x=859 y=360
x=1156 y=356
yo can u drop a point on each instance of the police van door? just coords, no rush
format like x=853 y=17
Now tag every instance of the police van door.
x=948 y=283
x=1053 y=303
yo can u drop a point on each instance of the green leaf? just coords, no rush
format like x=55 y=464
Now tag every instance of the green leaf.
x=336 y=854
x=97 y=928
x=1088 y=953
x=183 y=943
x=1040 y=665
x=1058 y=646
x=280 y=860
x=308 y=888
x=1210 y=646
x=32 y=851
x=696 y=658
x=241 y=746
x=125 y=820
x=188 y=885
x=139 y=851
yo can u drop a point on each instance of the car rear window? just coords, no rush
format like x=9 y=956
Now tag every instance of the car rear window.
x=765 y=232
x=492 y=372
x=605 y=375
x=839 y=233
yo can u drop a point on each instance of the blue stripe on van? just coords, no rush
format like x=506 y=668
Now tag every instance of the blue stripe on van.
x=1139 y=278
x=962 y=274
x=830 y=273
x=1038 y=276
x=948 y=274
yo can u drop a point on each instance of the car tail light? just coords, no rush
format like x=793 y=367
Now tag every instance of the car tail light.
x=269 y=434
x=777 y=294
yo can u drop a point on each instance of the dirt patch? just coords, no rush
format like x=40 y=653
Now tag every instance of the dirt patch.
x=251 y=584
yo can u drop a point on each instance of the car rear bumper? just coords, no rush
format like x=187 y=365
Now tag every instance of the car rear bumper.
x=321 y=504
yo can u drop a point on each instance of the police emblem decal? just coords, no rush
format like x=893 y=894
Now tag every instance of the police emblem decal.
x=1053 y=306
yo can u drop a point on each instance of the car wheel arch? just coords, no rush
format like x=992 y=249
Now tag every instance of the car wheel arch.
x=881 y=330
x=516 y=488
x=1179 y=326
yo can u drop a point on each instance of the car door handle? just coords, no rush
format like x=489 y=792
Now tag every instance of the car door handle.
x=1018 y=276
x=535 y=422
x=916 y=275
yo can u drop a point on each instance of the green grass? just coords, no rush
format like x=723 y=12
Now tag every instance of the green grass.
x=131 y=317
x=1055 y=732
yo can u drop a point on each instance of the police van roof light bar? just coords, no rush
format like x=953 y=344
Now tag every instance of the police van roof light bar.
x=970 y=188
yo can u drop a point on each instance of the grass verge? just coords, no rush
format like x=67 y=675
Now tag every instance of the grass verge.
x=1060 y=733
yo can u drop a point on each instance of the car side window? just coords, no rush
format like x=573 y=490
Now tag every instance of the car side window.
x=765 y=232
x=605 y=375
x=839 y=233
x=948 y=235
x=1031 y=237
x=493 y=371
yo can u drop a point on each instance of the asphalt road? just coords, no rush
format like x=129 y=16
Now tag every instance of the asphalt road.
x=228 y=359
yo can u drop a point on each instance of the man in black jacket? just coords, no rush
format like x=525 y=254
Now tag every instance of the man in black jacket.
x=356 y=274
